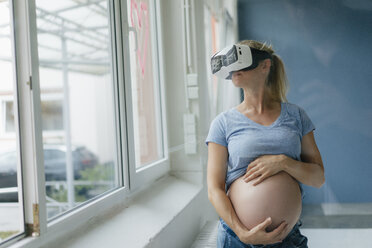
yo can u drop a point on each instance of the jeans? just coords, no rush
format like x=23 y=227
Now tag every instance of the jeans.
x=226 y=238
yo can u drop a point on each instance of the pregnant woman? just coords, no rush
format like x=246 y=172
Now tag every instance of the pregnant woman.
x=260 y=153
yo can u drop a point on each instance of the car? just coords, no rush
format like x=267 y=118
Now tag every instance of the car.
x=8 y=177
x=55 y=161
x=54 y=166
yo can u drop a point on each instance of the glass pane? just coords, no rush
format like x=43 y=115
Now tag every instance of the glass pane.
x=52 y=115
x=9 y=117
x=77 y=102
x=11 y=217
x=145 y=83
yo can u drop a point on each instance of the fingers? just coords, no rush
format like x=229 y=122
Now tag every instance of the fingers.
x=249 y=177
x=279 y=233
x=252 y=169
x=252 y=165
x=260 y=179
x=275 y=236
x=263 y=224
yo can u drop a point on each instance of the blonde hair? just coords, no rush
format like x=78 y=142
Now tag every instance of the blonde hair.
x=277 y=82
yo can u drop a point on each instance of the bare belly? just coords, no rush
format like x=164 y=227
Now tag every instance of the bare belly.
x=278 y=197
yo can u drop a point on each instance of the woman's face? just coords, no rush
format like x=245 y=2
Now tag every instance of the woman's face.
x=249 y=78
x=243 y=79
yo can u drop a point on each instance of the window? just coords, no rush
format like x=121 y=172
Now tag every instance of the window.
x=52 y=115
x=79 y=128
x=9 y=116
x=83 y=127
x=144 y=72
x=11 y=204
x=212 y=46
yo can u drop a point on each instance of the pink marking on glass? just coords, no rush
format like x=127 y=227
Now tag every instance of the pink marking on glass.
x=142 y=12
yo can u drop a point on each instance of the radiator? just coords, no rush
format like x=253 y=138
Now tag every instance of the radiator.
x=207 y=237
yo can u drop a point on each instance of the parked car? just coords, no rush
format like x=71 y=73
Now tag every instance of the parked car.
x=8 y=177
x=55 y=166
x=55 y=161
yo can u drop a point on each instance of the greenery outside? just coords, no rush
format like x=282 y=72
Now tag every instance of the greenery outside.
x=100 y=177
x=4 y=235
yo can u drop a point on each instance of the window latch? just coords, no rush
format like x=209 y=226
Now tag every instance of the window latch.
x=29 y=82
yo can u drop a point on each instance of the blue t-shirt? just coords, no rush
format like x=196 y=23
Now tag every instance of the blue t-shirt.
x=246 y=140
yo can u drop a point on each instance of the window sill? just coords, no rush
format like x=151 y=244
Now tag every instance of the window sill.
x=138 y=222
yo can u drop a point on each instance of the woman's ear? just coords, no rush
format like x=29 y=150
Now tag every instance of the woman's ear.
x=266 y=64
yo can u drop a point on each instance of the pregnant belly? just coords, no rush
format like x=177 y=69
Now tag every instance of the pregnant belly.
x=278 y=197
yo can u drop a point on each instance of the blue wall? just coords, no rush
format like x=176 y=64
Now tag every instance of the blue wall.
x=326 y=47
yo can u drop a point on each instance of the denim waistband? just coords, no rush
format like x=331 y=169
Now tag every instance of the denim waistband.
x=231 y=232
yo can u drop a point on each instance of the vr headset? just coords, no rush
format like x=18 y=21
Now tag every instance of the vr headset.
x=236 y=58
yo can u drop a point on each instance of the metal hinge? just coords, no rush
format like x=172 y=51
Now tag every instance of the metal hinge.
x=34 y=228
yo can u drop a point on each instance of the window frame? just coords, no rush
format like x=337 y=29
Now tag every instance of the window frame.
x=17 y=133
x=142 y=176
x=88 y=209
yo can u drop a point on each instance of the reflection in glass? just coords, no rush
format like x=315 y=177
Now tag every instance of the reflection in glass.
x=9 y=117
x=78 y=109
x=11 y=217
x=52 y=115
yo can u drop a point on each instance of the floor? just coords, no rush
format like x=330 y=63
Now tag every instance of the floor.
x=336 y=238
x=335 y=215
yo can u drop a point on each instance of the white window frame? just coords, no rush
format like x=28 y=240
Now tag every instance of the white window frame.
x=62 y=223
x=16 y=134
x=141 y=177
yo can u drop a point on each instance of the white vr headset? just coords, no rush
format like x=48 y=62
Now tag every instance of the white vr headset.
x=236 y=58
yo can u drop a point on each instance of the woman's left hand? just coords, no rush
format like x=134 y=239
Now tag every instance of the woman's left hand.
x=264 y=167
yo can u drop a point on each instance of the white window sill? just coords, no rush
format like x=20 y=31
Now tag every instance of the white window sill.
x=135 y=225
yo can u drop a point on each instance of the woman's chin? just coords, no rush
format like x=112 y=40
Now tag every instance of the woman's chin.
x=237 y=83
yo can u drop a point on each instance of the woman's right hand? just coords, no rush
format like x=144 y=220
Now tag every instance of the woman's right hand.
x=258 y=235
